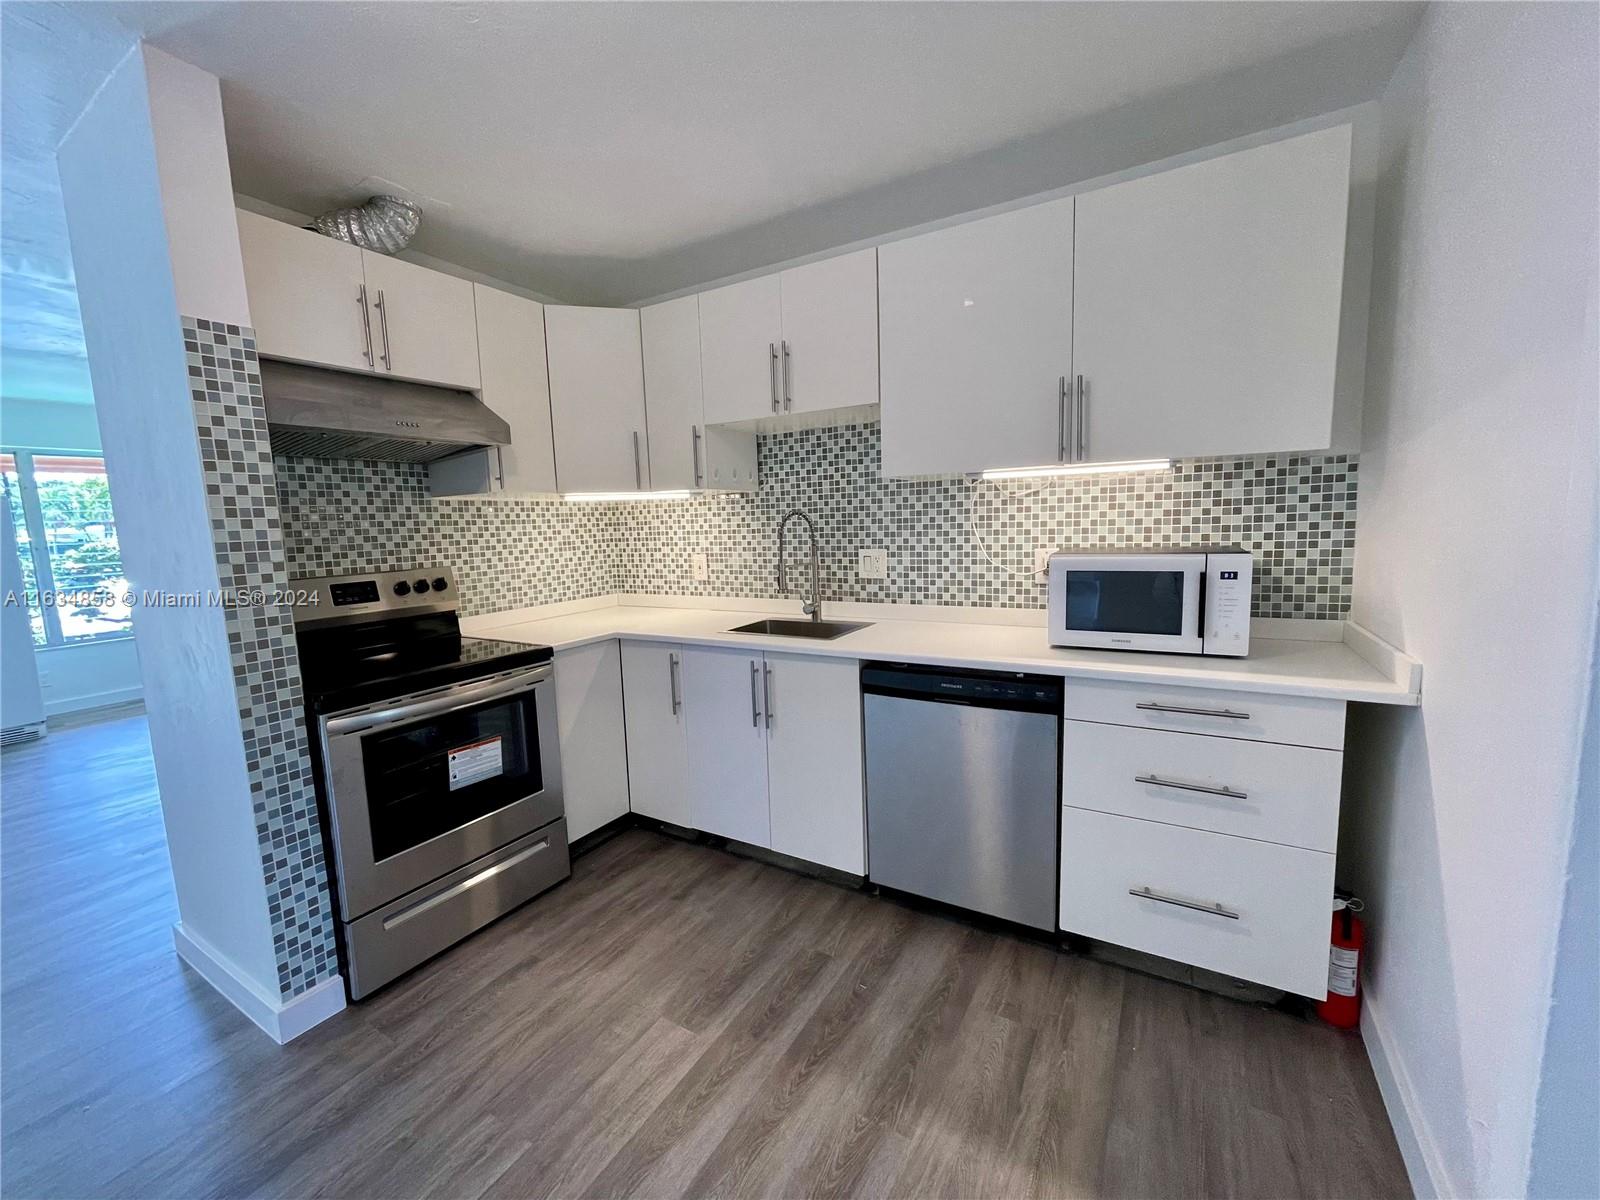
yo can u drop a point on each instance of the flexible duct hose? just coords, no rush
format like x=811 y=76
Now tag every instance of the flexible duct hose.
x=384 y=224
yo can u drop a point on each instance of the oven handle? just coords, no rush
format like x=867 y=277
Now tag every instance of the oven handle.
x=465 y=696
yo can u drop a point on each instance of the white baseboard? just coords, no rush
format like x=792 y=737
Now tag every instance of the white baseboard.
x=280 y=1020
x=1424 y=1164
x=84 y=703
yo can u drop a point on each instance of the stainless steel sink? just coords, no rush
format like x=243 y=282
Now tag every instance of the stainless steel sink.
x=825 y=630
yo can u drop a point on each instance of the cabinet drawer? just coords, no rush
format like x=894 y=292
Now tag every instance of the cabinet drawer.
x=1295 y=720
x=1287 y=794
x=1279 y=897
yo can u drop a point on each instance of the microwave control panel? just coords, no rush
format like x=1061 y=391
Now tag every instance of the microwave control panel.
x=1227 y=616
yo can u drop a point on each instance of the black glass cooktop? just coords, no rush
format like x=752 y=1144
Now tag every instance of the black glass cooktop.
x=347 y=667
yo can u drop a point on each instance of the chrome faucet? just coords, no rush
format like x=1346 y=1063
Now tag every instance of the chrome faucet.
x=812 y=607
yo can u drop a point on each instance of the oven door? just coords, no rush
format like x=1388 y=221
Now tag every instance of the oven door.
x=418 y=787
x=1127 y=601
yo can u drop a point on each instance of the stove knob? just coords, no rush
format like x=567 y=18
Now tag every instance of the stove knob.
x=402 y=588
x=440 y=584
x=420 y=585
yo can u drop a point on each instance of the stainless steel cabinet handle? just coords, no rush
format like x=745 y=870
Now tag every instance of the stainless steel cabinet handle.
x=672 y=683
x=788 y=399
x=638 y=465
x=755 y=699
x=366 y=324
x=694 y=450
x=383 y=324
x=1061 y=419
x=1083 y=419
x=766 y=690
x=1213 y=909
x=772 y=372
x=1157 y=781
x=499 y=469
x=1194 y=712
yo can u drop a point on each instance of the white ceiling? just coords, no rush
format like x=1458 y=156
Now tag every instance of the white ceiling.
x=604 y=152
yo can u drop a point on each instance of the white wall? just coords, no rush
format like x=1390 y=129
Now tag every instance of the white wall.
x=86 y=675
x=117 y=215
x=1477 y=553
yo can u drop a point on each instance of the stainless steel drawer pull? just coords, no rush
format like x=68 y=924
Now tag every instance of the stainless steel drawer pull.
x=1061 y=419
x=772 y=372
x=1157 y=781
x=755 y=700
x=383 y=325
x=788 y=396
x=1194 y=712
x=1213 y=909
x=766 y=690
x=450 y=893
x=672 y=683
x=694 y=451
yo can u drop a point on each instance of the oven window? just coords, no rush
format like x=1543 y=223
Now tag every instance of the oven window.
x=439 y=773
x=1125 y=601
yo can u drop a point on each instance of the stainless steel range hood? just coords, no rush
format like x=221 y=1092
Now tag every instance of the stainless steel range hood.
x=317 y=413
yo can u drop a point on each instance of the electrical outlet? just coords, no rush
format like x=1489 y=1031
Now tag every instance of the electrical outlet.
x=699 y=566
x=1041 y=558
x=872 y=564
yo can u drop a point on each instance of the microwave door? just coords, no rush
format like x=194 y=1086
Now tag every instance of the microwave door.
x=1128 y=602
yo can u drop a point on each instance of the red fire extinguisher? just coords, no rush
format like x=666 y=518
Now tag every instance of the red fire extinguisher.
x=1342 y=1007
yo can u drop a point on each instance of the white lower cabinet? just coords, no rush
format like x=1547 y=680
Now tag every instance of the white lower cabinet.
x=658 y=746
x=1254 y=910
x=815 y=793
x=727 y=744
x=589 y=723
x=774 y=752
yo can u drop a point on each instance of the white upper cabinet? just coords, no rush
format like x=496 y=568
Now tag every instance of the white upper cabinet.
x=741 y=328
x=670 y=333
x=828 y=354
x=318 y=300
x=1208 y=301
x=976 y=323
x=804 y=340
x=516 y=385
x=597 y=398
x=307 y=294
x=684 y=451
x=423 y=323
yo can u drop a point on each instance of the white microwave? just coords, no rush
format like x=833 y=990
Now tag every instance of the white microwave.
x=1188 y=600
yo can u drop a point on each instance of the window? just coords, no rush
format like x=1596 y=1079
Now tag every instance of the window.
x=60 y=508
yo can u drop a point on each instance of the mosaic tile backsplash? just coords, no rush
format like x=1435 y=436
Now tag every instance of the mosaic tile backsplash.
x=242 y=502
x=945 y=537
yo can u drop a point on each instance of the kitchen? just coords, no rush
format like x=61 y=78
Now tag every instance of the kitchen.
x=882 y=647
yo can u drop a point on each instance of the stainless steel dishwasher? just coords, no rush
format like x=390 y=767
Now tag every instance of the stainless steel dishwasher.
x=963 y=796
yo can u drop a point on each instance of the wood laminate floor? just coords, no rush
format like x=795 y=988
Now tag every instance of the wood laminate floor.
x=674 y=1020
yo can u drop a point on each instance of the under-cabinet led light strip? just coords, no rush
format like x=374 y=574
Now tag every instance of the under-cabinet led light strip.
x=681 y=495
x=1109 y=468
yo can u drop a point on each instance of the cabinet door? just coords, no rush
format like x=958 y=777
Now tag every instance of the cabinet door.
x=658 y=747
x=976 y=327
x=727 y=744
x=830 y=333
x=1208 y=303
x=589 y=722
x=305 y=294
x=674 y=413
x=516 y=385
x=597 y=398
x=814 y=764
x=423 y=322
x=740 y=328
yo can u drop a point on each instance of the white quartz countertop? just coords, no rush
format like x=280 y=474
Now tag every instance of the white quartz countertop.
x=1322 y=668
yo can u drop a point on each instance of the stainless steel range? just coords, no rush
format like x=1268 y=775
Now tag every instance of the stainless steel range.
x=438 y=769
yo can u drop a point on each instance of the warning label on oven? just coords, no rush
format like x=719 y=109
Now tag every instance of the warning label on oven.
x=475 y=763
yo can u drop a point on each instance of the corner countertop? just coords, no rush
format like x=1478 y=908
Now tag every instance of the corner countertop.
x=1358 y=667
